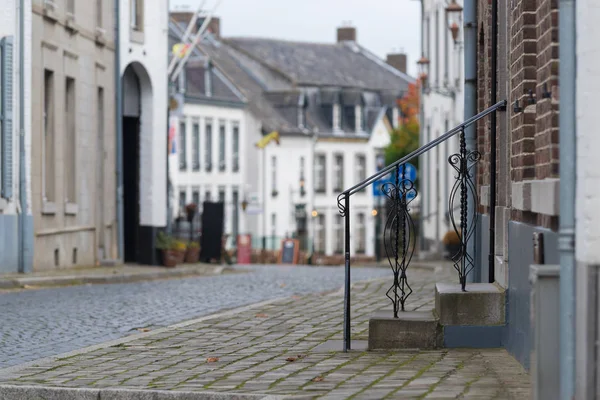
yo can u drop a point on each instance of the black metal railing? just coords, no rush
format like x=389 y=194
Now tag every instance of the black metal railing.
x=399 y=239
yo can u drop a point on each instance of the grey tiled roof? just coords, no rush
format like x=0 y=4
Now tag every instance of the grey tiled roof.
x=344 y=64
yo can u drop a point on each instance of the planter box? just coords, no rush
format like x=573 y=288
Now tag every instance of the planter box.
x=170 y=258
x=192 y=255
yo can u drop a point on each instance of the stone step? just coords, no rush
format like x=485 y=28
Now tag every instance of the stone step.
x=483 y=304
x=412 y=330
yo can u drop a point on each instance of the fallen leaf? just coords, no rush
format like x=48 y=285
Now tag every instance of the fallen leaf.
x=318 y=379
x=291 y=359
x=261 y=315
x=143 y=329
x=212 y=359
x=300 y=356
x=282 y=285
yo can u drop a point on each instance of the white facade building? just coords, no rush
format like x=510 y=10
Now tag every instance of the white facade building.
x=442 y=103
x=143 y=40
x=13 y=257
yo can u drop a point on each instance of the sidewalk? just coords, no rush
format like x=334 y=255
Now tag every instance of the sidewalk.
x=288 y=348
x=103 y=274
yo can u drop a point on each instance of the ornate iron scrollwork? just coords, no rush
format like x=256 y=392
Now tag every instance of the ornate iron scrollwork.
x=464 y=224
x=398 y=235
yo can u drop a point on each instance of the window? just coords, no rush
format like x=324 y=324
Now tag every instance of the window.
x=70 y=142
x=137 y=15
x=339 y=234
x=207 y=196
x=196 y=146
x=359 y=119
x=320 y=173
x=222 y=146
x=222 y=195
x=182 y=146
x=182 y=201
x=446 y=57
x=236 y=148
x=273 y=228
x=196 y=196
x=361 y=168
x=235 y=217
x=328 y=114
x=71 y=7
x=274 y=175
x=48 y=155
x=350 y=118
x=320 y=234
x=436 y=59
x=339 y=172
x=302 y=171
x=99 y=13
x=208 y=147
x=362 y=233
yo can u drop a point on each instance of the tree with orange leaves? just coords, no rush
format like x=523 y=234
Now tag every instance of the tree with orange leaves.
x=405 y=138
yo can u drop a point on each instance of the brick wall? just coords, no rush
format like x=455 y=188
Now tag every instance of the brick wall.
x=533 y=60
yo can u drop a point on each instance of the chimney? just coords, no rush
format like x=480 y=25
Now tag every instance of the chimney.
x=398 y=61
x=346 y=34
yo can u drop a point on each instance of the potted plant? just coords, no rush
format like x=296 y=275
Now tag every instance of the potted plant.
x=165 y=244
x=192 y=254
x=179 y=247
x=451 y=241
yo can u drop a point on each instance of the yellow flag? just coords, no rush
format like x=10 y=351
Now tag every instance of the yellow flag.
x=180 y=49
x=273 y=136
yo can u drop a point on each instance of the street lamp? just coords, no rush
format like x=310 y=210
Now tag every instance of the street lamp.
x=453 y=14
x=423 y=65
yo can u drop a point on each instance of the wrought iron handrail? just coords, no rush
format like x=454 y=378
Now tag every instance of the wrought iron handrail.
x=398 y=242
x=423 y=149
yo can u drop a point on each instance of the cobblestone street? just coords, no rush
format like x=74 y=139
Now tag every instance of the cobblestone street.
x=40 y=323
x=288 y=347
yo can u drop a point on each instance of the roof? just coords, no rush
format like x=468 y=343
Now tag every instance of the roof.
x=284 y=81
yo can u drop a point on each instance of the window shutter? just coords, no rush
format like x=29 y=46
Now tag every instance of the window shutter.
x=6 y=47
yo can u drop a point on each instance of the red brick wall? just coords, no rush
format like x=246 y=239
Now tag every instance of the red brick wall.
x=533 y=60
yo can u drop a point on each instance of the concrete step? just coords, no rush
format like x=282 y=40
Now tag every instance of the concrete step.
x=482 y=304
x=412 y=330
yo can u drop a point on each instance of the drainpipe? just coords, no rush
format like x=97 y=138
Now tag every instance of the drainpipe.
x=492 y=202
x=22 y=177
x=568 y=176
x=422 y=163
x=470 y=40
x=119 y=133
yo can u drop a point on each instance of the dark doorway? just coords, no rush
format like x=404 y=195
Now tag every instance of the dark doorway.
x=131 y=189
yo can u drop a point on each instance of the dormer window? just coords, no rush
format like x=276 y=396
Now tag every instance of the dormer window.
x=337 y=118
x=330 y=108
x=352 y=112
x=302 y=105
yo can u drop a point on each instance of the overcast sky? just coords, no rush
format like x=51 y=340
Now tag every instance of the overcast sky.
x=383 y=26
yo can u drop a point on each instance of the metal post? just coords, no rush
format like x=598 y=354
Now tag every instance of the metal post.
x=22 y=177
x=264 y=201
x=568 y=181
x=347 y=333
x=119 y=133
x=492 y=202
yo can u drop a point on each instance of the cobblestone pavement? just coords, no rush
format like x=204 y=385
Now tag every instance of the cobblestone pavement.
x=281 y=348
x=47 y=322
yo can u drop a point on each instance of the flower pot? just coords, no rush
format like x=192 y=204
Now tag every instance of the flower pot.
x=170 y=258
x=192 y=255
x=180 y=256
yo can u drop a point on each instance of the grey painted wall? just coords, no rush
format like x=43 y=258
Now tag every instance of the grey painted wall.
x=9 y=243
x=517 y=333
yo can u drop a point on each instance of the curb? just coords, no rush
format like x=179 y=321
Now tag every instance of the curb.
x=50 y=281
x=9 y=392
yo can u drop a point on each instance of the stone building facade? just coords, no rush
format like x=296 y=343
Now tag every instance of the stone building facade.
x=73 y=133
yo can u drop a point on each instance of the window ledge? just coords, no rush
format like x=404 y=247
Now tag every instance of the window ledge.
x=539 y=196
x=70 y=23
x=71 y=209
x=100 y=36
x=3 y=204
x=136 y=36
x=50 y=11
x=48 y=208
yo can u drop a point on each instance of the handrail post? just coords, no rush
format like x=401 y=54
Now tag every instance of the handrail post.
x=347 y=333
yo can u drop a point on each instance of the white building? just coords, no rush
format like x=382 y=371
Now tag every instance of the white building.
x=209 y=157
x=16 y=234
x=332 y=122
x=442 y=104
x=142 y=187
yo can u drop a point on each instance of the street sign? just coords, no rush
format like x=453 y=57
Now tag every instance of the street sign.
x=410 y=173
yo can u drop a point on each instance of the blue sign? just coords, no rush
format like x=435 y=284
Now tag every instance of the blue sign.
x=410 y=173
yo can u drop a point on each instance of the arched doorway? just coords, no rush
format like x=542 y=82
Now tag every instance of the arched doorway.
x=136 y=123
